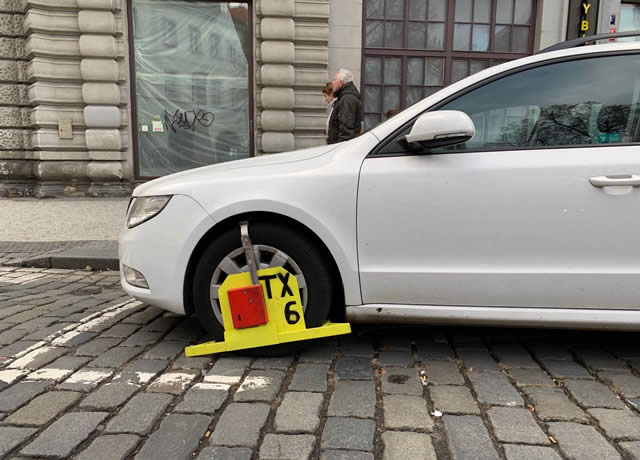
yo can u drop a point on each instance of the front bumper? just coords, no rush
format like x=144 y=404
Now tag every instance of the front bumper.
x=160 y=249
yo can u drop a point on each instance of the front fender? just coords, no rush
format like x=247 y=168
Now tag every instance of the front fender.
x=342 y=246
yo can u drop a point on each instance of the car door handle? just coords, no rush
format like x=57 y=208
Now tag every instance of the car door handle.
x=632 y=180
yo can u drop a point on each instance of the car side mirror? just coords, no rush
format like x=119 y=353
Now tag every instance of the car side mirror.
x=440 y=129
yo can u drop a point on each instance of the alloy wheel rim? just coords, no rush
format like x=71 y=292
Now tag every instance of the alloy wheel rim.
x=266 y=257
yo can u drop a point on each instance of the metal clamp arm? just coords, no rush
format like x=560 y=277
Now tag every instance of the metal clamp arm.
x=248 y=252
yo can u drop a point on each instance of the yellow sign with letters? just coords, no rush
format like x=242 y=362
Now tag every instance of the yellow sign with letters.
x=284 y=311
x=584 y=22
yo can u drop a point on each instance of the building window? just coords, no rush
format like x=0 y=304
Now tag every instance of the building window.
x=413 y=48
x=191 y=84
x=629 y=19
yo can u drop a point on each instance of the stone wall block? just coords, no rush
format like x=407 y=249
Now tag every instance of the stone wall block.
x=25 y=116
x=48 y=116
x=274 y=142
x=22 y=71
x=19 y=48
x=98 y=4
x=10 y=117
x=60 y=170
x=53 y=69
x=11 y=6
x=277 y=98
x=16 y=154
x=102 y=116
x=52 y=4
x=105 y=170
x=27 y=140
x=8 y=48
x=277 y=29
x=103 y=139
x=305 y=141
x=100 y=70
x=57 y=22
x=124 y=138
x=12 y=139
x=311 y=121
x=102 y=22
x=278 y=120
x=282 y=52
x=9 y=71
x=18 y=24
x=15 y=169
x=124 y=95
x=61 y=155
x=11 y=94
x=311 y=55
x=55 y=93
x=309 y=100
x=312 y=32
x=98 y=45
x=106 y=155
x=24 y=95
x=286 y=8
x=312 y=9
x=101 y=93
x=7 y=25
x=311 y=77
x=52 y=46
x=277 y=75
x=47 y=139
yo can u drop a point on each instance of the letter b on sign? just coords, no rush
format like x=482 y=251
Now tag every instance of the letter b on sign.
x=584 y=25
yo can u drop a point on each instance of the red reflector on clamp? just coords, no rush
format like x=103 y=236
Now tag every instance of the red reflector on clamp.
x=247 y=307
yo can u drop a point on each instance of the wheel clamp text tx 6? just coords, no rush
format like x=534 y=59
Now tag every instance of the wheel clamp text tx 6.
x=260 y=308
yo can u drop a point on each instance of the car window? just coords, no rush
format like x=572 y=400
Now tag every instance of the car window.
x=579 y=102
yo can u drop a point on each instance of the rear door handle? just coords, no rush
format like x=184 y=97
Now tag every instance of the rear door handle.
x=632 y=180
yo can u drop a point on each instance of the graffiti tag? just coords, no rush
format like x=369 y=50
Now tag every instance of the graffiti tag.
x=188 y=119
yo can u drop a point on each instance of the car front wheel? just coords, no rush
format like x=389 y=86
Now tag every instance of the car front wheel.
x=275 y=245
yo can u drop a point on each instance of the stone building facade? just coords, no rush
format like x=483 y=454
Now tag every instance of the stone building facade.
x=72 y=79
x=63 y=60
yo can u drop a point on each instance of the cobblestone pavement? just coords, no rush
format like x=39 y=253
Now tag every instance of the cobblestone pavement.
x=87 y=373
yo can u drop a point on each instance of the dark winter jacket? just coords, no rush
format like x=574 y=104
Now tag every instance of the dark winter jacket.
x=346 y=118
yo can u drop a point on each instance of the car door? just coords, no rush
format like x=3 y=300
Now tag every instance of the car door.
x=539 y=209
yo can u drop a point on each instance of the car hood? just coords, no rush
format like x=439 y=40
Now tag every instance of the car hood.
x=179 y=182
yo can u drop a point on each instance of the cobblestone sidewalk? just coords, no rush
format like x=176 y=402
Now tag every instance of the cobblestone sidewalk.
x=87 y=373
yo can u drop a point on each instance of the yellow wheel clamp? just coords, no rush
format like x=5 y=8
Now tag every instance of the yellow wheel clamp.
x=262 y=308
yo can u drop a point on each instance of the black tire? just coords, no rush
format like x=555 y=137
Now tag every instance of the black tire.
x=311 y=261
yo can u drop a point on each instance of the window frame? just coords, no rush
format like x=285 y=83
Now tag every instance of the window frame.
x=376 y=152
x=447 y=53
x=133 y=102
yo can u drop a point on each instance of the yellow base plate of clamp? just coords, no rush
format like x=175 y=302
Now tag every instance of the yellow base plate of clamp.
x=284 y=308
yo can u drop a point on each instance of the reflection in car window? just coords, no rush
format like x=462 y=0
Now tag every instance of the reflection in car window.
x=579 y=102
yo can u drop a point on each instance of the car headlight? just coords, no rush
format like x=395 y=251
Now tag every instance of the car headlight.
x=145 y=208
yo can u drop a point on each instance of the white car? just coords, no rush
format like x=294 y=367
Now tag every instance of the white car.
x=511 y=197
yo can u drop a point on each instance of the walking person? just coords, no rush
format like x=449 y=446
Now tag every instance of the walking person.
x=327 y=91
x=346 y=119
